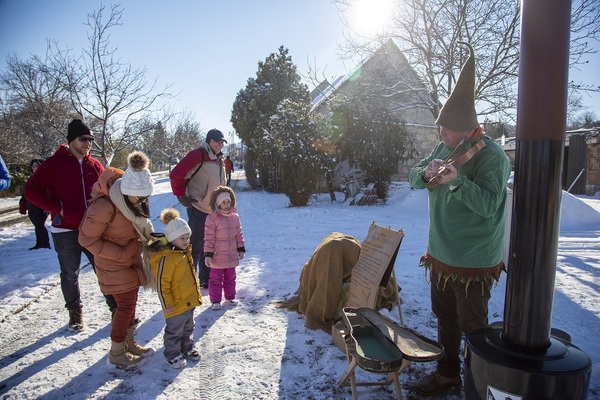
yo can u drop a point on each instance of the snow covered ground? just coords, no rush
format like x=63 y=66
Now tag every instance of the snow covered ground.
x=256 y=351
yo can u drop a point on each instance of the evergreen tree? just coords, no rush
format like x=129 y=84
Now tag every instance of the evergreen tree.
x=370 y=136
x=294 y=134
x=276 y=80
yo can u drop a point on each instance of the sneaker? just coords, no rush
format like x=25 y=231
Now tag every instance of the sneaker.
x=192 y=355
x=231 y=303
x=178 y=362
x=76 y=320
x=216 y=306
x=437 y=383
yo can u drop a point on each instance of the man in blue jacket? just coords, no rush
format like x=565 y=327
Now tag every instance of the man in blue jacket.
x=5 y=177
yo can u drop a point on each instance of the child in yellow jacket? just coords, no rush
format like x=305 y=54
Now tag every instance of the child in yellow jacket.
x=177 y=287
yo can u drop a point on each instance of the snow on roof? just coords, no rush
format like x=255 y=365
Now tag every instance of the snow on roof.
x=328 y=91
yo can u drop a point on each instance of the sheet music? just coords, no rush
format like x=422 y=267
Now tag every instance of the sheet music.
x=376 y=254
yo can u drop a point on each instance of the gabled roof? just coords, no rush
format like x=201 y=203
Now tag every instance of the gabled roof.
x=324 y=90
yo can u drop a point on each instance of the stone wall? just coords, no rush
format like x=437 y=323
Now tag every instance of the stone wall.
x=592 y=178
x=425 y=139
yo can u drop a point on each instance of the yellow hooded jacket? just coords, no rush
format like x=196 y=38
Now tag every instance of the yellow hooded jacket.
x=177 y=282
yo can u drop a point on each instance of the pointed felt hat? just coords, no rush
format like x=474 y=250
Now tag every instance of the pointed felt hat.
x=458 y=114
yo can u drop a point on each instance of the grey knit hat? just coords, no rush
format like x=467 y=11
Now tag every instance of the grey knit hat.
x=459 y=112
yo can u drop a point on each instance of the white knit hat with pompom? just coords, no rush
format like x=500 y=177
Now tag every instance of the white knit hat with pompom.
x=175 y=225
x=136 y=180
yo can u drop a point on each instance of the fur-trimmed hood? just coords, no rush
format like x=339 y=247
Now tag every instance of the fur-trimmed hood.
x=218 y=190
x=105 y=181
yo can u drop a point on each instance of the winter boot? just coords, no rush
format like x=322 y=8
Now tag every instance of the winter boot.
x=76 y=320
x=437 y=383
x=120 y=358
x=134 y=348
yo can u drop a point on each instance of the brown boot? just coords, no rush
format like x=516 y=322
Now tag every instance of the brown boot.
x=436 y=383
x=121 y=358
x=134 y=348
x=76 y=320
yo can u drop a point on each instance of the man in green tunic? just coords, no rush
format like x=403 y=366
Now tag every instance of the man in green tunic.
x=467 y=195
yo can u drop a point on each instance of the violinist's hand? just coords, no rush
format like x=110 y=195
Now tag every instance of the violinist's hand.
x=433 y=168
x=450 y=173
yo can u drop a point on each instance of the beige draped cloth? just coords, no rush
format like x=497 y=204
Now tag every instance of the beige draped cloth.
x=324 y=283
x=142 y=225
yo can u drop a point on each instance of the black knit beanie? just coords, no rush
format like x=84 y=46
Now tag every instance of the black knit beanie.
x=77 y=128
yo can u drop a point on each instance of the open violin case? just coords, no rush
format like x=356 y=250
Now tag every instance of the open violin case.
x=379 y=344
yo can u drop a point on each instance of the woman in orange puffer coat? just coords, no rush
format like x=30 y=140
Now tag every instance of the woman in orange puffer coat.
x=115 y=229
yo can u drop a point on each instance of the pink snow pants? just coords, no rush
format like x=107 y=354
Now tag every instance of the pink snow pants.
x=221 y=281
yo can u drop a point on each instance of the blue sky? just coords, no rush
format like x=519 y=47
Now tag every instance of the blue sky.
x=206 y=50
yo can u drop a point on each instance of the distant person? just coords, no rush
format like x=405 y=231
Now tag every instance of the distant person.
x=62 y=185
x=36 y=215
x=228 y=169
x=467 y=197
x=178 y=288
x=115 y=229
x=224 y=247
x=5 y=177
x=193 y=180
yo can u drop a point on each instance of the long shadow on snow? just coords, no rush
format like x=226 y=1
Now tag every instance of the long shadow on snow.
x=47 y=362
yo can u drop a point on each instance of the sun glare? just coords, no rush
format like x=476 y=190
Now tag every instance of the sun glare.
x=370 y=16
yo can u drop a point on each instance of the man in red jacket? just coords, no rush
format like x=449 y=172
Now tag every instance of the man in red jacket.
x=228 y=169
x=62 y=185
x=193 y=180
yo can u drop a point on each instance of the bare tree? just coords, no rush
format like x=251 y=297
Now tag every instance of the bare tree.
x=35 y=109
x=427 y=31
x=112 y=96
x=586 y=119
x=187 y=135
x=173 y=136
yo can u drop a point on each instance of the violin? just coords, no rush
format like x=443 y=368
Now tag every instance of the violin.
x=457 y=161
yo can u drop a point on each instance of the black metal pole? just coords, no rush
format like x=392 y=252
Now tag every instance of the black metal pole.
x=541 y=124
x=524 y=360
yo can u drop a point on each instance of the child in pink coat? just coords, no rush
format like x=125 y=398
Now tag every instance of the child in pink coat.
x=223 y=246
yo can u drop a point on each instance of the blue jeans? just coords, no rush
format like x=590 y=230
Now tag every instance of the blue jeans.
x=196 y=221
x=69 y=251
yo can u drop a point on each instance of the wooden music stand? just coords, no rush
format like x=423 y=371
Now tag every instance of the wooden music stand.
x=373 y=269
